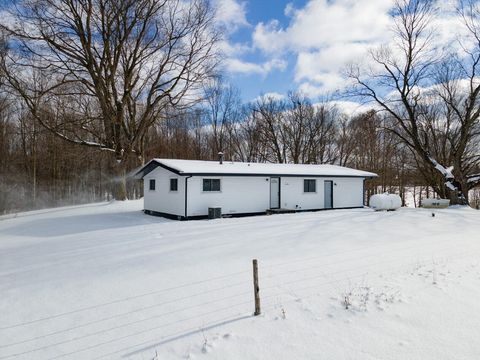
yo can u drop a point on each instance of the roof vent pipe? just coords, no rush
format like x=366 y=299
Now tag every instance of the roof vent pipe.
x=220 y=157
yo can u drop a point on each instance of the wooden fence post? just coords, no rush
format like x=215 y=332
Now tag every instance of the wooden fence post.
x=256 y=288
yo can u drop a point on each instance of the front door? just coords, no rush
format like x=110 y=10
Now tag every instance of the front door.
x=274 y=193
x=328 y=194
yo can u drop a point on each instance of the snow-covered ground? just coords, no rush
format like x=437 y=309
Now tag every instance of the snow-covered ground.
x=106 y=281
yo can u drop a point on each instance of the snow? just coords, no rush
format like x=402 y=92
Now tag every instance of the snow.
x=188 y=167
x=106 y=281
x=474 y=178
x=446 y=172
x=450 y=185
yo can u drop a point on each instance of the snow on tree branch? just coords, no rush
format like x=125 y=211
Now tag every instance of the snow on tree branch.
x=473 y=179
x=450 y=185
x=446 y=172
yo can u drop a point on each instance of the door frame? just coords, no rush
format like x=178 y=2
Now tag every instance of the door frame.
x=279 y=191
x=331 y=193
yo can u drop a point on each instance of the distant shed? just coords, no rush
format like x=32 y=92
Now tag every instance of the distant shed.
x=186 y=189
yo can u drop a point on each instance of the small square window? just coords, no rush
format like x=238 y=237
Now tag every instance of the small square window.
x=309 y=185
x=211 y=184
x=152 y=184
x=173 y=184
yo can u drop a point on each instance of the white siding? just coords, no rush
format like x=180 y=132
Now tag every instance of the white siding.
x=162 y=199
x=293 y=197
x=347 y=192
x=245 y=194
x=237 y=195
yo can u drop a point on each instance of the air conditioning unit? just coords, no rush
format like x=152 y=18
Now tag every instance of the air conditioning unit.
x=214 y=212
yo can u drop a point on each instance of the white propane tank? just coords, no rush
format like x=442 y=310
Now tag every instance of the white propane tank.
x=435 y=203
x=385 y=202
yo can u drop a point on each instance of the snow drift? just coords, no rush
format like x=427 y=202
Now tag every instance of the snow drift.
x=104 y=281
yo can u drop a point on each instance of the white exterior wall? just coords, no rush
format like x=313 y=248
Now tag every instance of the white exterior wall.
x=247 y=194
x=293 y=197
x=162 y=199
x=348 y=192
x=237 y=195
x=252 y=194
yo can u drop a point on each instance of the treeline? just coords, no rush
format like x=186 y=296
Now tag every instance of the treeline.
x=38 y=169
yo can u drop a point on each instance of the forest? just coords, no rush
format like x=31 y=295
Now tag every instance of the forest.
x=92 y=89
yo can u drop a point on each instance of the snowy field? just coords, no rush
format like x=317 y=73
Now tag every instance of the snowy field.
x=105 y=281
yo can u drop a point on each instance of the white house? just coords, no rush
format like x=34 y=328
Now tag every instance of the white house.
x=186 y=189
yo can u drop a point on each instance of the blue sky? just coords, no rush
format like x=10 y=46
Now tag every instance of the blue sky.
x=252 y=84
x=274 y=46
x=278 y=81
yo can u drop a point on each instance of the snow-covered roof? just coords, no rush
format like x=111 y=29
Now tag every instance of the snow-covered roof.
x=200 y=167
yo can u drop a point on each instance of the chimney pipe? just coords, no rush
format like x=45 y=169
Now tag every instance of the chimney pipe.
x=220 y=157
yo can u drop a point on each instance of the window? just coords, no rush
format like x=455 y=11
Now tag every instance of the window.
x=211 y=184
x=173 y=184
x=152 y=184
x=309 y=185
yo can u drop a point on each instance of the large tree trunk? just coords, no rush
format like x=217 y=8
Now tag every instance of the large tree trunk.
x=454 y=198
x=458 y=197
x=120 y=180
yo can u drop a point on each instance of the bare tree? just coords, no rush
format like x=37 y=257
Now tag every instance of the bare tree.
x=268 y=113
x=222 y=111
x=298 y=114
x=293 y=130
x=245 y=135
x=346 y=140
x=322 y=135
x=119 y=63
x=401 y=84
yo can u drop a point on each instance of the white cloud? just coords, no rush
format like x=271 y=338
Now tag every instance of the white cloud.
x=234 y=65
x=231 y=14
x=352 y=108
x=324 y=36
x=271 y=95
x=323 y=23
x=315 y=89
x=7 y=18
x=327 y=35
x=289 y=9
x=324 y=67
x=233 y=49
x=269 y=37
